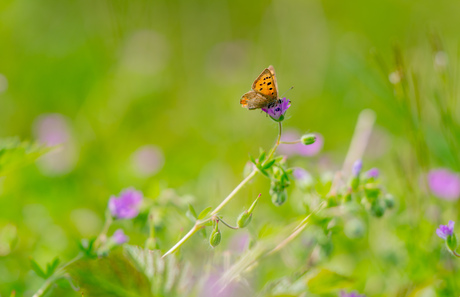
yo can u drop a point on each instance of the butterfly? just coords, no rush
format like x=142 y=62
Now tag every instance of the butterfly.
x=264 y=91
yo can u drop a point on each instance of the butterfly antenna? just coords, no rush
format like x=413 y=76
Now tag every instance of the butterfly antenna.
x=287 y=91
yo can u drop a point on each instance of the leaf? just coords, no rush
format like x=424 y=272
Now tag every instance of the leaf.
x=38 y=270
x=115 y=275
x=204 y=213
x=51 y=267
x=15 y=154
x=327 y=281
x=261 y=156
x=251 y=158
x=269 y=164
x=191 y=213
x=167 y=276
x=86 y=246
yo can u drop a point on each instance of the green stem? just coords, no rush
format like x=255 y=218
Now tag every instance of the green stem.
x=291 y=142
x=226 y=224
x=200 y=224
x=103 y=235
x=183 y=240
x=455 y=254
x=57 y=275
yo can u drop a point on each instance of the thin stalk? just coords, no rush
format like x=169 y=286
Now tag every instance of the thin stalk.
x=291 y=142
x=57 y=275
x=297 y=230
x=199 y=224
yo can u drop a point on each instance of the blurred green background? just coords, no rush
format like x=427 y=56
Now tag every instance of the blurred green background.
x=107 y=78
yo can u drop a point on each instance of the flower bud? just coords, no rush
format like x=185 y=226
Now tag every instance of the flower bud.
x=389 y=201
x=308 y=139
x=278 y=197
x=377 y=209
x=214 y=239
x=451 y=242
x=354 y=228
x=244 y=219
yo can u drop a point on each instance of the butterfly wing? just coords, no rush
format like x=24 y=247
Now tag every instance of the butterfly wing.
x=265 y=84
x=272 y=70
x=253 y=100
x=264 y=91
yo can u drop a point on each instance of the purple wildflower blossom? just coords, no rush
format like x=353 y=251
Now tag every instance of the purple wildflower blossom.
x=119 y=237
x=147 y=160
x=277 y=111
x=300 y=173
x=373 y=172
x=445 y=231
x=127 y=205
x=357 y=166
x=351 y=294
x=444 y=183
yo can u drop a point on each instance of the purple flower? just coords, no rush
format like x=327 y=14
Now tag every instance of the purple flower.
x=303 y=179
x=300 y=148
x=444 y=183
x=300 y=173
x=357 y=166
x=127 y=205
x=445 y=231
x=119 y=237
x=55 y=130
x=277 y=111
x=52 y=129
x=351 y=294
x=373 y=172
x=147 y=160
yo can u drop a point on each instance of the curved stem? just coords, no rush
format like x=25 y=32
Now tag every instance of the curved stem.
x=455 y=254
x=226 y=224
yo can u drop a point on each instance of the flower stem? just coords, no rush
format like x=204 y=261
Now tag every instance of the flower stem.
x=226 y=224
x=200 y=224
x=278 y=141
x=455 y=254
x=57 y=275
x=297 y=230
x=291 y=142
x=103 y=235
x=190 y=233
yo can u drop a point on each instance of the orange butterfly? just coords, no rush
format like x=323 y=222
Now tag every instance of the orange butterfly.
x=264 y=91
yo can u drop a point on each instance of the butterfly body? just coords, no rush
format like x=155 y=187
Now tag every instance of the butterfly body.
x=264 y=91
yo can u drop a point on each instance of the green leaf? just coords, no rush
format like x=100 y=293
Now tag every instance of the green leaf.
x=251 y=158
x=204 y=213
x=15 y=154
x=269 y=164
x=38 y=270
x=117 y=275
x=262 y=156
x=51 y=267
x=191 y=213
x=86 y=246
x=327 y=281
